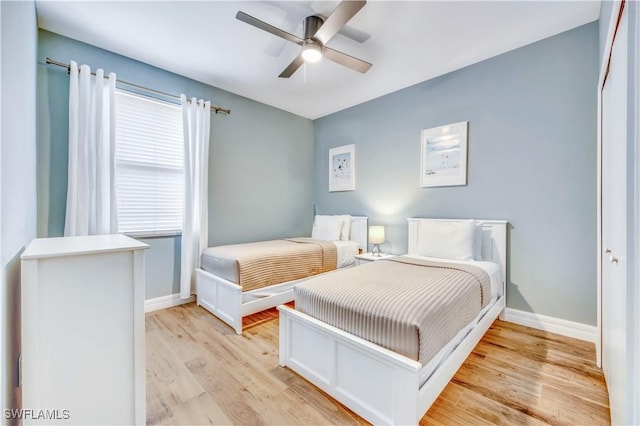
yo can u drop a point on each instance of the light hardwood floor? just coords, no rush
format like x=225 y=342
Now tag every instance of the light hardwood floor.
x=200 y=372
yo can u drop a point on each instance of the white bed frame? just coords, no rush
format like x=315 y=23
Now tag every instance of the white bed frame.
x=227 y=301
x=380 y=385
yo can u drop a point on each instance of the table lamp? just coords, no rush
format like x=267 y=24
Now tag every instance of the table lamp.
x=376 y=237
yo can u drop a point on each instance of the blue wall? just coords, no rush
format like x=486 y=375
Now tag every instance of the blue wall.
x=531 y=161
x=259 y=181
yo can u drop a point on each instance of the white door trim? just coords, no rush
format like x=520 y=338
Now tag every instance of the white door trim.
x=634 y=28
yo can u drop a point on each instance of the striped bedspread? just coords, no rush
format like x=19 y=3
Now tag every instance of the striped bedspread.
x=264 y=263
x=410 y=306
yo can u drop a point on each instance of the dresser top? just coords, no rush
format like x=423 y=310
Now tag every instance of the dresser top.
x=70 y=246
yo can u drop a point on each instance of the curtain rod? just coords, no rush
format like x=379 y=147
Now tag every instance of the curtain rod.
x=217 y=109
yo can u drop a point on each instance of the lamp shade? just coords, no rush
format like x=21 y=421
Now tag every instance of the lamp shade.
x=376 y=234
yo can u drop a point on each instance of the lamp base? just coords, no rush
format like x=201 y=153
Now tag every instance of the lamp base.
x=375 y=251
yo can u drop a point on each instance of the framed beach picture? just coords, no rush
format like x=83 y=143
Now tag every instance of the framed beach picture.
x=443 y=160
x=342 y=168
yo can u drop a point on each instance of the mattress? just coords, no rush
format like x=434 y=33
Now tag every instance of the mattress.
x=491 y=268
x=412 y=306
x=261 y=264
x=346 y=255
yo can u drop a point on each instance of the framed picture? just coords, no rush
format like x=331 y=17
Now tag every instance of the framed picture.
x=342 y=168
x=443 y=160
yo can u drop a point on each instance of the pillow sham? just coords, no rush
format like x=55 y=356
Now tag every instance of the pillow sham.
x=327 y=228
x=477 y=242
x=345 y=234
x=447 y=239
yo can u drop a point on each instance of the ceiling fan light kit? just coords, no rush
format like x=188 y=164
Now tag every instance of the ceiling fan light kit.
x=311 y=51
x=317 y=32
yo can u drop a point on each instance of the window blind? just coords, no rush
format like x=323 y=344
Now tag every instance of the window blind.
x=149 y=165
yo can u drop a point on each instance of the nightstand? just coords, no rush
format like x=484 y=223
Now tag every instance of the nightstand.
x=368 y=257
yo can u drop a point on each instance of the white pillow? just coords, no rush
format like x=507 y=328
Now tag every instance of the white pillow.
x=477 y=242
x=327 y=228
x=447 y=240
x=346 y=227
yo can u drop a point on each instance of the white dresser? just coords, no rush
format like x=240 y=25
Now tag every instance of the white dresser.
x=83 y=330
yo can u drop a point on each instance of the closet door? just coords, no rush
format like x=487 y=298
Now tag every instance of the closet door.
x=614 y=226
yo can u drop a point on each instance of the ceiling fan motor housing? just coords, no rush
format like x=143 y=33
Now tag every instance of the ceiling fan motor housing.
x=311 y=25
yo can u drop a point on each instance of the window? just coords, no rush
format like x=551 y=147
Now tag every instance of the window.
x=149 y=165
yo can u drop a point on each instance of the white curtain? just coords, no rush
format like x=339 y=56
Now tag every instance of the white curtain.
x=196 y=116
x=91 y=197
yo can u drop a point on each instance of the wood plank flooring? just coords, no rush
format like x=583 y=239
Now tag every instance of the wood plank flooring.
x=200 y=372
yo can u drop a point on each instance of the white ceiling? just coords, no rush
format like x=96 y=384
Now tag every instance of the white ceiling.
x=406 y=41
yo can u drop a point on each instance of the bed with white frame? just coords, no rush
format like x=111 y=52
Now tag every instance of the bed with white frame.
x=378 y=384
x=227 y=300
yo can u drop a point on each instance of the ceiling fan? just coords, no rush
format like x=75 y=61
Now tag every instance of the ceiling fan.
x=317 y=32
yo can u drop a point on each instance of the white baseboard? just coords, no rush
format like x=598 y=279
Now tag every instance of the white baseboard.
x=164 y=302
x=552 y=325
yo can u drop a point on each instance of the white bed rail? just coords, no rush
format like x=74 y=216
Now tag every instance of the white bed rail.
x=376 y=383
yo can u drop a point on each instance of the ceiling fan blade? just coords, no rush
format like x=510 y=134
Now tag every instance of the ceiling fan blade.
x=241 y=16
x=293 y=66
x=338 y=18
x=349 y=32
x=346 y=60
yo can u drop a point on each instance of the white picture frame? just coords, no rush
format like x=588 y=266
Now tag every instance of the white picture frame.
x=342 y=168
x=443 y=155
